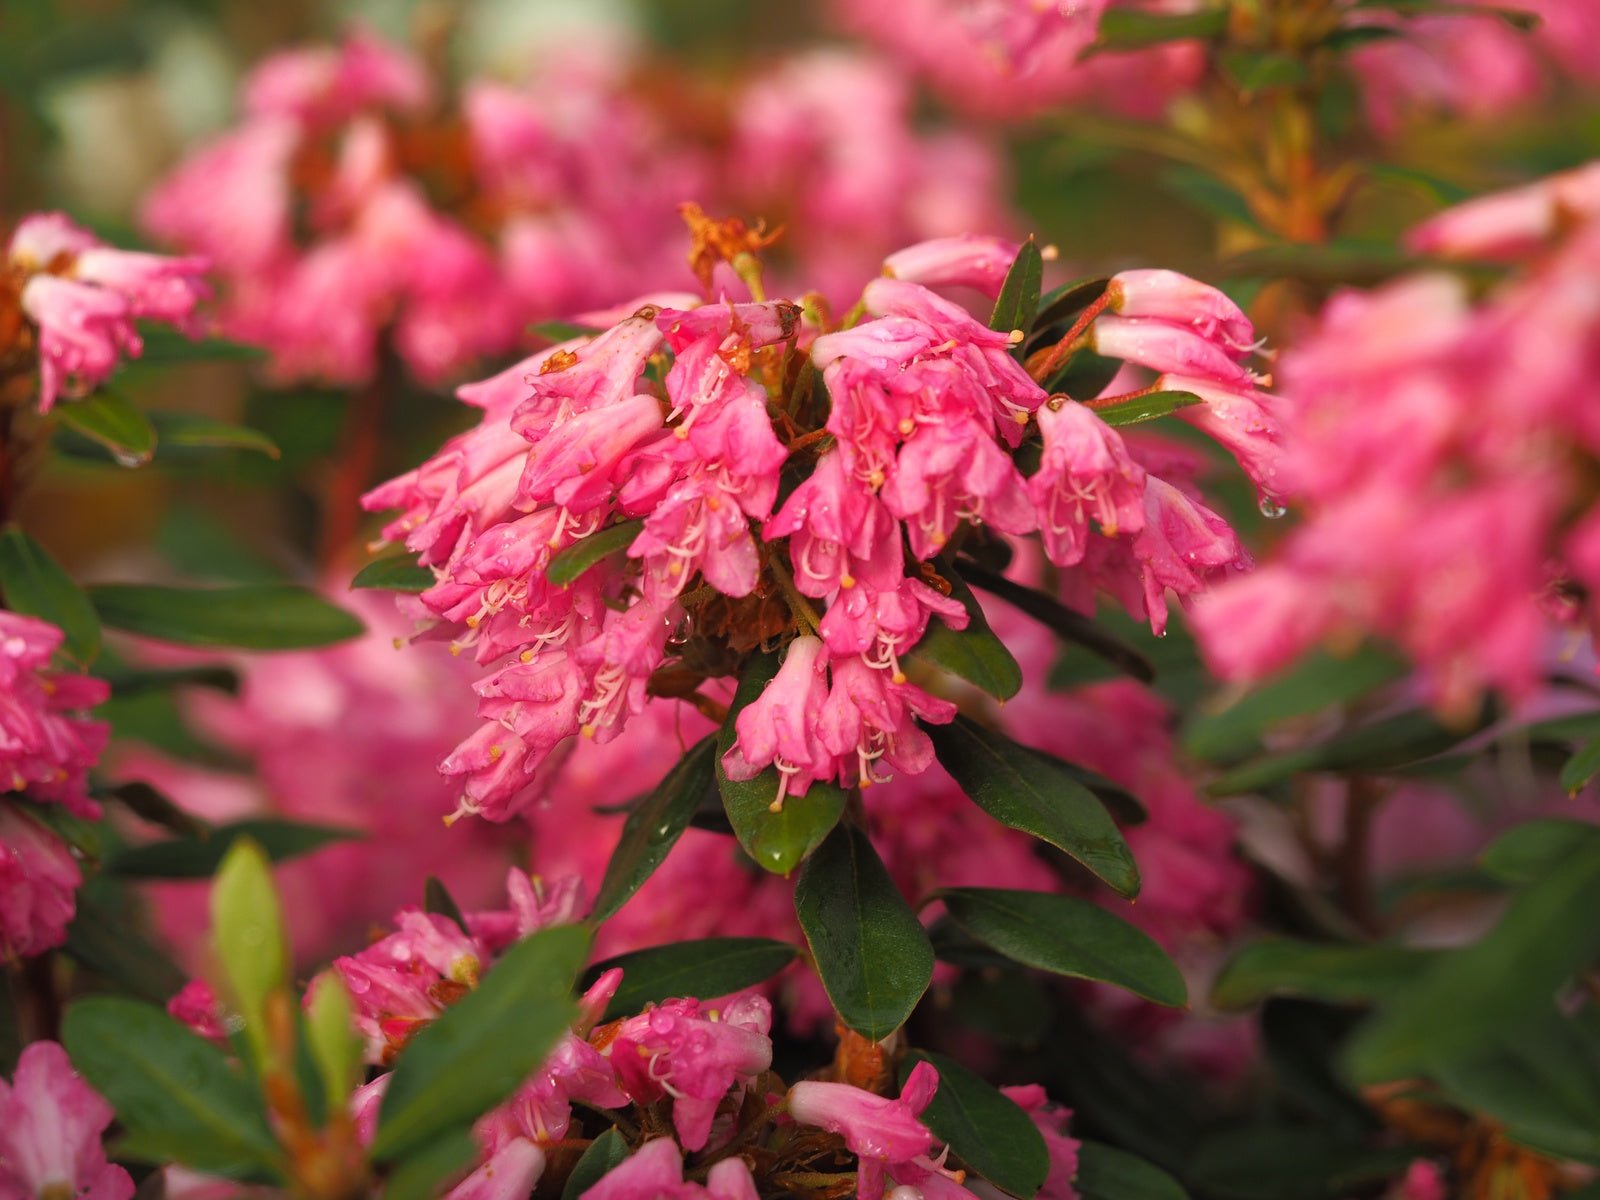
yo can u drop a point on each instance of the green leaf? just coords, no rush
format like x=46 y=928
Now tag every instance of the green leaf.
x=34 y=584
x=1018 y=301
x=1030 y=791
x=109 y=419
x=1528 y=852
x=394 y=573
x=422 y=1174
x=1072 y=626
x=984 y=1128
x=580 y=556
x=134 y=681
x=1134 y=29
x=198 y=857
x=264 y=617
x=705 y=968
x=1147 y=407
x=1062 y=304
x=1313 y=685
x=1331 y=971
x=1380 y=746
x=1083 y=376
x=777 y=841
x=1007 y=1004
x=248 y=938
x=1517 y=18
x=1508 y=976
x=1271 y=1161
x=334 y=1041
x=1256 y=70
x=169 y=1084
x=1067 y=936
x=163 y=346
x=973 y=653
x=105 y=939
x=654 y=827
x=484 y=1046
x=871 y=952
x=148 y=804
x=606 y=1152
x=436 y=898
x=1106 y=1173
x=562 y=331
x=189 y=431
x=1581 y=767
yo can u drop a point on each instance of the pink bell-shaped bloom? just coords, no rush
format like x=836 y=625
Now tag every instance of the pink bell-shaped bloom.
x=655 y=1172
x=867 y=723
x=1052 y=1122
x=695 y=1054
x=1181 y=544
x=46 y=746
x=38 y=880
x=1085 y=472
x=1166 y=347
x=1173 y=297
x=155 y=286
x=966 y=260
x=1241 y=421
x=880 y=1132
x=83 y=333
x=1507 y=225
x=50 y=1127
x=779 y=727
x=945 y=476
x=510 y=1174
x=834 y=525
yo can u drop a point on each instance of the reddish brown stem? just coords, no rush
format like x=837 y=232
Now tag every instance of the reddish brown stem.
x=1063 y=349
x=357 y=459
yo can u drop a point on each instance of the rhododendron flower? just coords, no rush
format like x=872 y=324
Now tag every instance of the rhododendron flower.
x=655 y=1172
x=46 y=747
x=50 y=1127
x=80 y=297
x=1085 y=472
x=38 y=879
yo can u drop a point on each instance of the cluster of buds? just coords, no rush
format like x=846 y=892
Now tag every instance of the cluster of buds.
x=68 y=302
x=671 y=436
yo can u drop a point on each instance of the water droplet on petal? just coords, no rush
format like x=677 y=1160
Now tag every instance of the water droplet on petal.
x=1271 y=509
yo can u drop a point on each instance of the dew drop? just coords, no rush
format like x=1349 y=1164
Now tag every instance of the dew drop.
x=1271 y=509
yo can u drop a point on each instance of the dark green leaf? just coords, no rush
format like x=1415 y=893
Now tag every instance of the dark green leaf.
x=485 y=1045
x=148 y=804
x=1067 y=936
x=1582 y=766
x=871 y=952
x=1073 y=626
x=606 y=1152
x=984 y=1128
x=1018 y=301
x=436 y=899
x=1274 y=1161
x=654 y=827
x=1210 y=195
x=1517 y=18
x=1532 y=849
x=1084 y=376
x=109 y=419
x=1256 y=70
x=168 y=1083
x=1063 y=304
x=1009 y=1006
x=706 y=967
x=1329 y=263
x=133 y=681
x=163 y=346
x=1134 y=29
x=195 y=432
x=198 y=857
x=1508 y=976
x=580 y=556
x=1322 y=970
x=266 y=617
x=105 y=939
x=33 y=583
x=422 y=1174
x=1147 y=407
x=973 y=653
x=1313 y=685
x=1106 y=1173
x=1028 y=790
x=777 y=841
x=394 y=573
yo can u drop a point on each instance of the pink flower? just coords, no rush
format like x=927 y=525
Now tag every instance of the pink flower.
x=655 y=1172
x=196 y=1005
x=1165 y=347
x=1085 y=472
x=1052 y=1122
x=46 y=746
x=509 y=1174
x=50 y=1127
x=1508 y=225
x=779 y=727
x=1242 y=421
x=966 y=260
x=1169 y=296
x=38 y=877
x=695 y=1054
x=1182 y=543
x=882 y=1133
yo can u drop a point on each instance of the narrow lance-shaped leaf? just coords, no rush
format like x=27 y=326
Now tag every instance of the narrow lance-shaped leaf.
x=1028 y=790
x=985 y=1129
x=197 y=856
x=580 y=556
x=34 y=584
x=109 y=419
x=777 y=841
x=654 y=827
x=485 y=1045
x=871 y=952
x=605 y=1152
x=973 y=653
x=266 y=617
x=247 y=935
x=1148 y=407
x=334 y=1041
x=1018 y=301
x=1106 y=1173
x=394 y=573
x=1336 y=972
x=1067 y=936
x=200 y=433
x=706 y=967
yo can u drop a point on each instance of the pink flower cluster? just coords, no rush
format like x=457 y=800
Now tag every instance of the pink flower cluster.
x=1010 y=59
x=50 y=1128
x=81 y=298
x=1426 y=427
x=46 y=750
x=356 y=210
x=926 y=408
